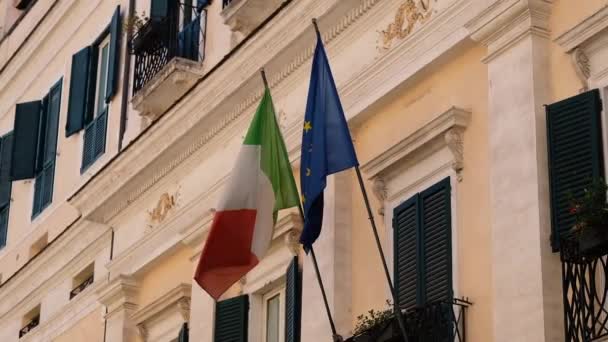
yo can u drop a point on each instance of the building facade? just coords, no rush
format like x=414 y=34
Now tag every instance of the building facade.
x=120 y=121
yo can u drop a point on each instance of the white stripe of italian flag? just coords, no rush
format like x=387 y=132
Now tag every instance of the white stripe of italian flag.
x=261 y=184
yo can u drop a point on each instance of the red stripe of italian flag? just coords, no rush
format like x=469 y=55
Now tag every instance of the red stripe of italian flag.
x=260 y=185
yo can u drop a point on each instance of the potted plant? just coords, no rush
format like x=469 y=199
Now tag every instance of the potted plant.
x=591 y=219
x=377 y=326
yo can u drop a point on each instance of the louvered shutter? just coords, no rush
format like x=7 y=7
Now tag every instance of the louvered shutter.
x=88 y=150
x=25 y=140
x=437 y=242
x=293 y=302
x=231 y=320
x=406 y=241
x=38 y=189
x=6 y=152
x=575 y=154
x=159 y=9
x=52 y=124
x=100 y=134
x=4 y=212
x=79 y=85
x=183 y=333
x=189 y=40
x=114 y=56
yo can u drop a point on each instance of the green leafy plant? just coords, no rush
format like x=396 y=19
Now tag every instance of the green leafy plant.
x=591 y=209
x=136 y=22
x=373 y=318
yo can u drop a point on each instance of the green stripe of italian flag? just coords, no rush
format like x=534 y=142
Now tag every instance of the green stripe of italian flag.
x=260 y=185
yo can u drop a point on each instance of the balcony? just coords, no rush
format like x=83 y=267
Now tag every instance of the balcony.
x=438 y=322
x=168 y=61
x=585 y=290
x=243 y=16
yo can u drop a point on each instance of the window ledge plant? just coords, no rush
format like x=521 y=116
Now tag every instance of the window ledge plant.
x=591 y=219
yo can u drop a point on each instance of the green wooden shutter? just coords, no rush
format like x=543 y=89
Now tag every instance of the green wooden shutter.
x=114 y=56
x=100 y=134
x=6 y=152
x=88 y=150
x=4 y=212
x=293 y=302
x=436 y=226
x=25 y=140
x=188 y=40
x=406 y=239
x=183 y=333
x=575 y=154
x=79 y=85
x=159 y=9
x=231 y=320
x=52 y=123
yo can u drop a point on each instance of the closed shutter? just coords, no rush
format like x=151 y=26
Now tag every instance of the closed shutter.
x=100 y=134
x=4 y=212
x=189 y=40
x=25 y=140
x=407 y=244
x=159 y=9
x=79 y=85
x=114 y=56
x=575 y=154
x=88 y=150
x=183 y=333
x=293 y=302
x=6 y=152
x=231 y=320
x=437 y=242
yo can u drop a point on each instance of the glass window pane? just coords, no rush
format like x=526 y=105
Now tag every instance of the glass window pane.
x=272 y=319
x=103 y=75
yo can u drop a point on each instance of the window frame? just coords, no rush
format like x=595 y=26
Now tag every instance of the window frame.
x=273 y=293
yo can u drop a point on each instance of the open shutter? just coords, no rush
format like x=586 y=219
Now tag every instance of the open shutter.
x=25 y=140
x=6 y=151
x=437 y=242
x=231 y=320
x=4 y=225
x=114 y=56
x=189 y=40
x=293 y=302
x=406 y=241
x=88 y=150
x=52 y=124
x=575 y=154
x=38 y=189
x=183 y=333
x=79 y=89
x=100 y=134
x=159 y=9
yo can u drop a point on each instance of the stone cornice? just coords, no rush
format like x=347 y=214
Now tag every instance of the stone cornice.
x=444 y=130
x=177 y=299
x=584 y=30
x=119 y=294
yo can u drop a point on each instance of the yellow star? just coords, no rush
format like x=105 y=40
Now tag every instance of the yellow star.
x=307 y=126
x=303 y=198
x=308 y=172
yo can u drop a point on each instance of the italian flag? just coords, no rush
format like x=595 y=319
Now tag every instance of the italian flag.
x=260 y=185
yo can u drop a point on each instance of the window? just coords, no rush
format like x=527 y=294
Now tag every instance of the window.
x=274 y=316
x=30 y=321
x=422 y=247
x=232 y=320
x=82 y=280
x=6 y=150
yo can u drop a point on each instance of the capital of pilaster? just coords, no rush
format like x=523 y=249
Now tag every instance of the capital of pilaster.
x=119 y=295
x=505 y=22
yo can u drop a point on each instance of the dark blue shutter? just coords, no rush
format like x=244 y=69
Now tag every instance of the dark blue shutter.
x=201 y=4
x=37 y=206
x=183 y=333
x=231 y=320
x=159 y=9
x=88 y=150
x=437 y=242
x=407 y=242
x=188 y=40
x=25 y=140
x=575 y=154
x=4 y=212
x=52 y=123
x=6 y=151
x=100 y=134
x=293 y=302
x=79 y=85
x=113 y=56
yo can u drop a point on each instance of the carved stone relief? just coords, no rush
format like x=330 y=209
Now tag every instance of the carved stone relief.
x=408 y=15
x=380 y=191
x=455 y=142
x=580 y=60
x=165 y=205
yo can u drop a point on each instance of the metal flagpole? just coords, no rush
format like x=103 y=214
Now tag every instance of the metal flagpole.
x=336 y=337
x=397 y=308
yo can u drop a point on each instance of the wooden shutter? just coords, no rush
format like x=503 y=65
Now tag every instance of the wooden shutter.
x=4 y=212
x=437 y=242
x=100 y=134
x=38 y=189
x=114 y=56
x=575 y=154
x=159 y=9
x=25 y=140
x=189 y=40
x=6 y=152
x=88 y=150
x=79 y=85
x=52 y=124
x=183 y=333
x=293 y=302
x=406 y=239
x=231 y=320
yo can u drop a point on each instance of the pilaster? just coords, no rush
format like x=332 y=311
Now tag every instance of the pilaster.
x=526 y=275
x=119 y=298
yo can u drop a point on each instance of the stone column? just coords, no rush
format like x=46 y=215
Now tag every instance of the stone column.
x=527 y=296
x=333 y=250
x=119 y=298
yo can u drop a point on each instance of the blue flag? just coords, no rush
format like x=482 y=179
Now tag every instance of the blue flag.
x=326 y=143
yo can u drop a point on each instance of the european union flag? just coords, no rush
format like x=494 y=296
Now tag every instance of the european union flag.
x=326 y=143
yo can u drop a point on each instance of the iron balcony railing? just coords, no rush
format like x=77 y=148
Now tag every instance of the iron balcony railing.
x=585 y=290
x=160 y=40
x=225 y=3
x=78 y=289
x=28 y=327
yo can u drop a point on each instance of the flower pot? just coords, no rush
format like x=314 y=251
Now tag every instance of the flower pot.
x=593 y=240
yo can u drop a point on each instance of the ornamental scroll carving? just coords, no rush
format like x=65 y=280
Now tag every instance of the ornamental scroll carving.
x=380 y=191
x=455 y=142
x=408 y=15
x=580 y=60
x=166 y=203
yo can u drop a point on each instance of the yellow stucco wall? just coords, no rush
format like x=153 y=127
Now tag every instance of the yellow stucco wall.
x=89 y=329
x=435 y=90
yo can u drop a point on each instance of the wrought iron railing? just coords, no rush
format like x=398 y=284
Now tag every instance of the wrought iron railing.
x=28 y=327
x=585 y=291
x=158 y=41
x=225 y=3
x=78 y=289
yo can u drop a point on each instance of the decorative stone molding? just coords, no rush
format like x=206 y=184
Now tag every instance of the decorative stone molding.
x=290 y=227
x=243 y=16
x=455 y=141
x=380 y=191
x=410 y=14
x=171 y=82
x=165 y=314
x=119 y=295
x=580 y=61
